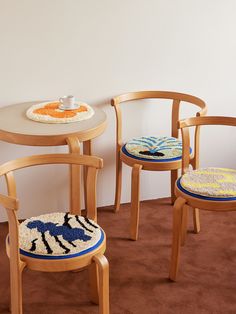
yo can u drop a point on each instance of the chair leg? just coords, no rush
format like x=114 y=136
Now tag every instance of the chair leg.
x=184 y=224
x=176 y=240
x=118 y=182
x=135 y=204
x=196 y=220
x=103 y=283
x=16 y=270
x=196 y=214
x=173 y=178
x=93 y=281
x=87 y=150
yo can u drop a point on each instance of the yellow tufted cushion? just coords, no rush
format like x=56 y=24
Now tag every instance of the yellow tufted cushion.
x=210 y=182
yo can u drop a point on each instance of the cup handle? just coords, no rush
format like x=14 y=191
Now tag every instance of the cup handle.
x=61 y=100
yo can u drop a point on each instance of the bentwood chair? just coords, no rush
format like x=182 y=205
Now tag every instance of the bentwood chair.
x=156 y=153
x=209 y=188
x=56 y=242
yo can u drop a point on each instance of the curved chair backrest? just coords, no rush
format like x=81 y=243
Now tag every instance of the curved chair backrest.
x=196 y=122
x=11 y=203
x=176 y=100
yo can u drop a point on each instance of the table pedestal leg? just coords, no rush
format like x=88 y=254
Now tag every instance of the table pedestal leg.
x=87 y=150
x=75 y=178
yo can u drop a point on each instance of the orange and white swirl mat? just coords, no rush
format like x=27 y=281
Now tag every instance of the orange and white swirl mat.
x=49 y=112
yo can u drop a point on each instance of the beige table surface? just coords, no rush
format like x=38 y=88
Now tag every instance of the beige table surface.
x=16 y=128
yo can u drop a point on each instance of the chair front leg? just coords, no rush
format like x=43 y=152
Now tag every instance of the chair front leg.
x=93 y=281
x=16 y=270
x=103 y=283
x=184 y=224
x=135 y=203
x=176 y=240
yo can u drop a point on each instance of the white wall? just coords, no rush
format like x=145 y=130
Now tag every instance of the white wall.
x=98 y=49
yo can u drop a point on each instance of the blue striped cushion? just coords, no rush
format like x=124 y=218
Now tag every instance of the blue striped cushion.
x=152 y=148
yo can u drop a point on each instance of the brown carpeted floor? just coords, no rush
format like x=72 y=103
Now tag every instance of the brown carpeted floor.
x=139 y=270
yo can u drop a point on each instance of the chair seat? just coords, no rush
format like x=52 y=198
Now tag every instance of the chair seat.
x=209 y=183
x=59 y=236
x=152 y=148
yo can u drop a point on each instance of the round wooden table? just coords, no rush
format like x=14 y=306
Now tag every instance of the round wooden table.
x=16 y=128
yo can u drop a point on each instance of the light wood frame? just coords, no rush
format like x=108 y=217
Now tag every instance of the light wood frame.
x=184 y=201
x=95 y=260
x=138 y=165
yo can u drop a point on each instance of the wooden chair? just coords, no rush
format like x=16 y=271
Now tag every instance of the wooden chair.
x=152 y=155
x=59 y=241
x=207 y=188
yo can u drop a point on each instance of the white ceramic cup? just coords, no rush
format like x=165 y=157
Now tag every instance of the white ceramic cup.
x=68 y=102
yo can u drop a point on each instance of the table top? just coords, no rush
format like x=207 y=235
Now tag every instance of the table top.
x=16 y=128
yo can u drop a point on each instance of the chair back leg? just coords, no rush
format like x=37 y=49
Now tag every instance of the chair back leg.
x=196 y=220
x=118 y=182
x=173 y=178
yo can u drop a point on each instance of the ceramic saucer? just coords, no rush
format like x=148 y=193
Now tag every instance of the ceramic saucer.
x=76 y=106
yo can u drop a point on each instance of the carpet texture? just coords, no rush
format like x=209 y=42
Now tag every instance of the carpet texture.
x=139 y=270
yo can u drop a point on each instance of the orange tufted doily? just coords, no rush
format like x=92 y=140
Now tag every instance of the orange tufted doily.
x=51 y=113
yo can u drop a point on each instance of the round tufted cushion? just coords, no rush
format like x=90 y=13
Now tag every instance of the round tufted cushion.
x=152 y=148
x=59 y=235
x=210 y=183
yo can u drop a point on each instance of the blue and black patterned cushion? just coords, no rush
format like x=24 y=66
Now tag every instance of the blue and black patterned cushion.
x=59 y=235
x=152 y=148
